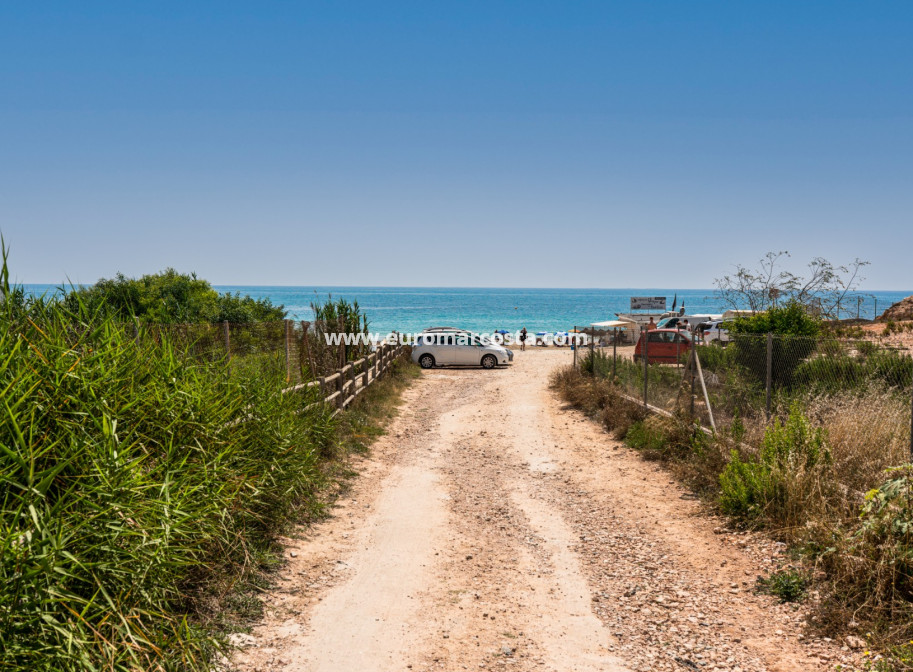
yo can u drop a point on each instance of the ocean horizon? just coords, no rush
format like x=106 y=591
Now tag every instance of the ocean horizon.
x=411 y=309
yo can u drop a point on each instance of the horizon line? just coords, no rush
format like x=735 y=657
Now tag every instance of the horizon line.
x=645 y=289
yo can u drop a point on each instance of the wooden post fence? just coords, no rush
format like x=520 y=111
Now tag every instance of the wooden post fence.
x=288 y=350
x=226 y=338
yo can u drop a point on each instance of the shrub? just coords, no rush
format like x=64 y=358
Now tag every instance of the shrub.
x=871 y=570
x=597 y=397
x=791 y=319
x=844 y=371
x=787 y=584
x=169 y=297
x=596 y=363
x=745 y=488
x=783 y=485
x=133 y=481
x=714 y=358
x=796 y=332
x=646 y=436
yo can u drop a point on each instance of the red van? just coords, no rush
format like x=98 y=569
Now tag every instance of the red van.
x=664 y=346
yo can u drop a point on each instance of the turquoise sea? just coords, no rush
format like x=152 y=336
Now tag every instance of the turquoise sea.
x=411 y=309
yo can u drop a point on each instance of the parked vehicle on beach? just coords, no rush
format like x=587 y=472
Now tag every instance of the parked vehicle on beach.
x=714 y=331
x=663 y=346
x=677 y=321
x=449 y=346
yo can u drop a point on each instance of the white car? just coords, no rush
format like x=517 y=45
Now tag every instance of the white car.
x=715 y=331
x=448 y=346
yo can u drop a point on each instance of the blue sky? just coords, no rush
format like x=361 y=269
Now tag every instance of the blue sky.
x=522 y=144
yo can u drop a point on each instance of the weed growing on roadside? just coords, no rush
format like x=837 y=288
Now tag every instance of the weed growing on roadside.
x=788 y=584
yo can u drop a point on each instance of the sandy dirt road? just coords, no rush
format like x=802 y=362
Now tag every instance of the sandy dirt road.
x=493 y=529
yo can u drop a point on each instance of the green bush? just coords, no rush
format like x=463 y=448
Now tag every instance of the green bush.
x=771 y=484
x=642 y=436
x=843 y=371
x=892 y=368
x=597 y=363
x=714 y=358
x=787 y=584
x=871 y=570
x=170 y=297
x=745 y=487
x=795 y=340
x=132 y=480
x=791 y=319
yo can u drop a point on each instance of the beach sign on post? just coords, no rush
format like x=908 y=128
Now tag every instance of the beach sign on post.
x=648 y=303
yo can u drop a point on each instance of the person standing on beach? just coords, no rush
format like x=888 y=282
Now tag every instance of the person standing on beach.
x=652 y=325
x=523 y=338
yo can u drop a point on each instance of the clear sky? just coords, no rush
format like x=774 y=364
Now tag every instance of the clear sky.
x=522 y=144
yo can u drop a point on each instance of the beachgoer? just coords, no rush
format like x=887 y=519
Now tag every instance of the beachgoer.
x=686 y=326
x=523 y=338
x=652 y=325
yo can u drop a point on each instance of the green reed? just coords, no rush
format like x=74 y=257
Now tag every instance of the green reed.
x=133 y=479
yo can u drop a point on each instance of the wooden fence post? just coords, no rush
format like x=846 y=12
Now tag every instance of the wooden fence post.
x=307 y=349
x=288 y=350
x=364 y=371
x=343 y=355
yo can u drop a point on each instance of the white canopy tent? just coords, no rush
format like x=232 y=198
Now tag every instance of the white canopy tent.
x=615 y=325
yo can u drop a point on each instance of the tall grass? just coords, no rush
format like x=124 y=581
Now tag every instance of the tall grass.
x=845 y=431
x=135 y=482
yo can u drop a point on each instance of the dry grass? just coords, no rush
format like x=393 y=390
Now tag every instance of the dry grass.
x=867 y=433
x=806 y=483
x=599 y=399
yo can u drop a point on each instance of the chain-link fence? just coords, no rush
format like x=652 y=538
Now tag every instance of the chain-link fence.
x=755 y=378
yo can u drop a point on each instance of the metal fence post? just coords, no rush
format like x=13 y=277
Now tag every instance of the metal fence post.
x=692 y=364
x=645 y=354
x=574 y=346
x=911 y=417
x=770 y=360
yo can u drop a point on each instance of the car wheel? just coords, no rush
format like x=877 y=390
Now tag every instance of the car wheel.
x=426 y=361
x=489 y=362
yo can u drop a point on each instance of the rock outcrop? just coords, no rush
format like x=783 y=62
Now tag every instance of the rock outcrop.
x=902 y=310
